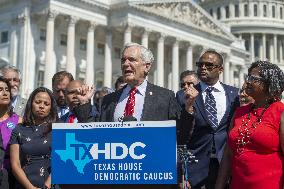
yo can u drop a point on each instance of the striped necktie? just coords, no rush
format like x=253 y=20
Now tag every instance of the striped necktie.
x=210 y=107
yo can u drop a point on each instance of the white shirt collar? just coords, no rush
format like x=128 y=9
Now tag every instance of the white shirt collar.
x=217 y=86
x=141 y=88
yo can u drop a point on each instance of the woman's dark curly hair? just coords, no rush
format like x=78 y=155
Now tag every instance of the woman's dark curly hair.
x=10 y=108
x=273 y=77
x=29 y=117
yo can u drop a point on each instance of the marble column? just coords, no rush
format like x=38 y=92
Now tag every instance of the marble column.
x=90 y=76
x=281 y=50
x=175 y=66
x=50 y=63
x=264 y=57
x=70 y=61
x=189 y=58
x=160 y=61
x=275 y=48
x=232 y=70
x=271 y=50
x=108 y=60
x=145 y=38
x=227 y=69
x=14 y=46
x=252 y=47
x=127 y=34
x=242 y=76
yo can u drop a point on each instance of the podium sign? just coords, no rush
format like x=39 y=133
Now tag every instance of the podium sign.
x=114 y=153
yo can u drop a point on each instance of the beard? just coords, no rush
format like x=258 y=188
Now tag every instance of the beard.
x=14 y=91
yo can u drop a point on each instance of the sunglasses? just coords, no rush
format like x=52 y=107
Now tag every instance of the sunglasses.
x=208 y=65
x=182 y=85
x=254 y=79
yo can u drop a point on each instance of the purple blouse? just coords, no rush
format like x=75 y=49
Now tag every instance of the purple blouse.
x=6 y=128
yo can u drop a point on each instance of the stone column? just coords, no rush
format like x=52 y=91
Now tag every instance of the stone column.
x=275 y=48
x=252 y=47
x=271 y=50
x=232 y=10
x=242 y=75
x=127 y=34
x=145 y=38
x=14 y=46
x=250 y=9
x=50 y=64
x=240 y=36
x=108 y=59
x=175 y=66
x=215 y=13
x=70 y=61
x=189 y=58
x=232 y=70
x=160 y=61
x=280 y=50
x=241 y=9
x=223 y=12
x=264 y=46
x=90 y=76
x=260 y=49
x=227 y=69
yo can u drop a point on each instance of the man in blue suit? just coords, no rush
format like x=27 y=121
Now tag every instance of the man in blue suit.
x=210 y=104
x=186 y=78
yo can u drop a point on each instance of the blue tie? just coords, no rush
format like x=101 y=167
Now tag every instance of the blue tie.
x=210 y=107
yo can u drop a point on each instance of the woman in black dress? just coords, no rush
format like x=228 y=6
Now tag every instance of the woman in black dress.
x=30 y=143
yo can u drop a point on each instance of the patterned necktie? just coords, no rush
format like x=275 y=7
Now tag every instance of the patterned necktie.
x=129 y=108
x=210 y=107
x=71 y=118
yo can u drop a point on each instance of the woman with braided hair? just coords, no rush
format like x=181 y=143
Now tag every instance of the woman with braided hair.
x=254 y=157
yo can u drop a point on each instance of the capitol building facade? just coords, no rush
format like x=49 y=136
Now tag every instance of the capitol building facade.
x=86 y=37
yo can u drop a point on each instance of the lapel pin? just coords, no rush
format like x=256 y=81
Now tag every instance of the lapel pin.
x=150 y=93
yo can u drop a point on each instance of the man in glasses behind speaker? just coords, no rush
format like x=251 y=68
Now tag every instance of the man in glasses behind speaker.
x=210 y=104
x=187 y=78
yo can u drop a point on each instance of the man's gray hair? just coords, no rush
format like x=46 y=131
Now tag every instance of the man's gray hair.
x=10 y=68
x=146 y=54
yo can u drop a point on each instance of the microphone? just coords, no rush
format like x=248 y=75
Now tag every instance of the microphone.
x=129 y=118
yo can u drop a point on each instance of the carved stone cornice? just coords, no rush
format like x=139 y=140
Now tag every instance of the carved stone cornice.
x=182 y=12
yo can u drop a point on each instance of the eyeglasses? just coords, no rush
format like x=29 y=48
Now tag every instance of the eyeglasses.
x=254 y=79
x=208 y=65
x=182 y=85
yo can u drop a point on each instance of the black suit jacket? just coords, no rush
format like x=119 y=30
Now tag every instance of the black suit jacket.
x=159 y=105
x=203 y=134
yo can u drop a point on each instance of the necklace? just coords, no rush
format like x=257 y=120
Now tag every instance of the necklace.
x=246 y=129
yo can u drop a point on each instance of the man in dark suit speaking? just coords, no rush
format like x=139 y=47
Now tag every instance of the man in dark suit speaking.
x=211 y=104
x=138 y=100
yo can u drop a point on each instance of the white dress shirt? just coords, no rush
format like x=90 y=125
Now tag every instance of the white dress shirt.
x=220 y=98
x=139 y=102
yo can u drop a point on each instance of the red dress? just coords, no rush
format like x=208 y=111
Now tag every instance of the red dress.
x=258 y=164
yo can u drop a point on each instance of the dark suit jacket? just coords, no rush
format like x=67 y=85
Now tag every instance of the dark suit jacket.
x=159 y=105
x=201 y=140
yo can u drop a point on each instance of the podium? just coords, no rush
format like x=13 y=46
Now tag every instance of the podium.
x=114 y=153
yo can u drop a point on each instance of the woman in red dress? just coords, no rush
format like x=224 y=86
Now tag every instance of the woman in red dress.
x=253 y=158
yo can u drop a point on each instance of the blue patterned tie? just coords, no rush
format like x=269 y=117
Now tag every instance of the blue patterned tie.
x=210 y=107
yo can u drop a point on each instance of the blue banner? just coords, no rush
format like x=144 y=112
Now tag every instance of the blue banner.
x=114 y=153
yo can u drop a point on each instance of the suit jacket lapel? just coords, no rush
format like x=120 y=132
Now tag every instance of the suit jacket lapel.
x=149 y=99
x=229 y=100
x=199 y=103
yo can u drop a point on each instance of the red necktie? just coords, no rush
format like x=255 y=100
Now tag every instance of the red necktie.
x=71 y=118
x=129 y=108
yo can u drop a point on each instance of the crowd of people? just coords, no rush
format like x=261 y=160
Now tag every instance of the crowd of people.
x=236 y=135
